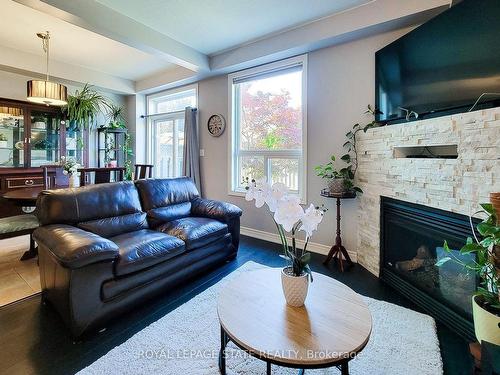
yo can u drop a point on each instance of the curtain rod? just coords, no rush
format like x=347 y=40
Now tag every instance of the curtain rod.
x=168 y=113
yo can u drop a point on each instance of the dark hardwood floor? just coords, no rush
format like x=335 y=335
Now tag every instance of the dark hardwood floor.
x=34 y=341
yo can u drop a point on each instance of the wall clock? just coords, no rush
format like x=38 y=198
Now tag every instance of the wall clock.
x=216 y=125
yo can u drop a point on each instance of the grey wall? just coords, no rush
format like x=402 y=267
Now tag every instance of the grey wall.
x=13 y=86
x=340 y=85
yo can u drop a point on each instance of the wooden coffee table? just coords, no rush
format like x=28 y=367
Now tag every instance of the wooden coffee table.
x=333 y=326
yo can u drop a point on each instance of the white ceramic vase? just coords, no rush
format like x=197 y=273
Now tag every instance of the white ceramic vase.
x=294 y=287
x=74 y=181
x=486 y=324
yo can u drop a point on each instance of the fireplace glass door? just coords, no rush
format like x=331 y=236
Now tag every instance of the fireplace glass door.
x=412 y=244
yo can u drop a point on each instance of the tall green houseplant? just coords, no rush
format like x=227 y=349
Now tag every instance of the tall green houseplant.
x=84 y=106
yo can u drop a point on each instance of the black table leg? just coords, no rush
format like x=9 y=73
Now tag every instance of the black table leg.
x=344 y=368
x=222 y=353
x=32 y=252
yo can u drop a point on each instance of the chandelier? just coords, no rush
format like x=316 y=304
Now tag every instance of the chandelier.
x=46 y=92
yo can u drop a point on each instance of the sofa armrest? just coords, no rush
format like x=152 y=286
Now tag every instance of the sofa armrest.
x=218 y=210
x=73 y=247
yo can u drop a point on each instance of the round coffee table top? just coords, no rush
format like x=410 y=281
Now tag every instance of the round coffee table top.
x=333 y=325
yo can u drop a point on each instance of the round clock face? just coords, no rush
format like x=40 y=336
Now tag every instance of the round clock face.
x=216 y=125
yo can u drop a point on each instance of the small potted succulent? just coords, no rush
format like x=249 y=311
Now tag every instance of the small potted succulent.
x=289 y=216
x=486 y=300
x=3 y=141
x=70 y=168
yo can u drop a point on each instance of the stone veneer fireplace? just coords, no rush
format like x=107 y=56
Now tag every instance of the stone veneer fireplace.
x=455 y=185
x=391 y=164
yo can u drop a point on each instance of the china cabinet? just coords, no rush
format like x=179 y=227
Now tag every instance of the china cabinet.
x=111 y=143
x=32 y=136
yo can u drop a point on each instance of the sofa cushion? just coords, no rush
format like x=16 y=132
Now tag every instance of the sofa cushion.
x=72 y=206
x=156 y=193
x=195 y=231
x=144 y=248
x=160 y=215
x=113 y=226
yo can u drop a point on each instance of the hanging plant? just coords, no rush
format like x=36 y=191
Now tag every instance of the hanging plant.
x=84 y=107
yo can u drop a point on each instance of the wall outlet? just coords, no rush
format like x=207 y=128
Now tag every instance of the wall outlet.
x=202 y=152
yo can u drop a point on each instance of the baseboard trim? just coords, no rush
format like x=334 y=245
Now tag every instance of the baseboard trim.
x=273 y=237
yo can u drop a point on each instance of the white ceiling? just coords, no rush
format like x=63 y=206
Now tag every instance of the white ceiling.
x=130 y=46
x=73 y=45
x=210 y=26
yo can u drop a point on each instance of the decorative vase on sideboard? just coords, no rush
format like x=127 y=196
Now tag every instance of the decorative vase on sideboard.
x=294 y=287
x=73 y=180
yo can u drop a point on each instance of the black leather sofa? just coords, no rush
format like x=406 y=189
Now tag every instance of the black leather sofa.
x=106 y=248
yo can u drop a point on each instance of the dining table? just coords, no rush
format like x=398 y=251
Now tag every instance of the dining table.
x=26 y=198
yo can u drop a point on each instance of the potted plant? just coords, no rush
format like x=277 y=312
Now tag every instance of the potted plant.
x=128 y=155
x=3 y=141
x=115 y=116
x=486 y=300
x=342 y=180
x=336 y=179
x=83 y=108
x=39 y=122
x=289 y=216
x=70 y=168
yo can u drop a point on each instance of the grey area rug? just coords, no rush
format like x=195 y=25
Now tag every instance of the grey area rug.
x=186 y=342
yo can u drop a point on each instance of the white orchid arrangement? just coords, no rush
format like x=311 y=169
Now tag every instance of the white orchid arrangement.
x=289 y=216
x=70 y=166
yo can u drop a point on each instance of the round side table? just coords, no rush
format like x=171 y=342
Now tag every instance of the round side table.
x=338 y=251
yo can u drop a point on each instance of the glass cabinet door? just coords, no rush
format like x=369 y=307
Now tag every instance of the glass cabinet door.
x=11 y=137
x=74 y=143
x=44 y=141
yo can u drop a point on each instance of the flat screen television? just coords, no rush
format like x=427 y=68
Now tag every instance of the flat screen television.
x=443 y=66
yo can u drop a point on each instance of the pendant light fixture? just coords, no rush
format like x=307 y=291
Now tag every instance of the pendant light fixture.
x=46 y=92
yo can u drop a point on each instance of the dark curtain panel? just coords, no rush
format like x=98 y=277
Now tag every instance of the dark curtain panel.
x=191 y=165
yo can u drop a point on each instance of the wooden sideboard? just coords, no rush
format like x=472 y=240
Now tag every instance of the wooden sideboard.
x=18 y=178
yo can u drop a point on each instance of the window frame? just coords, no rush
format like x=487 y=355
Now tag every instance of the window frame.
x=233 y=138
x=152 y=117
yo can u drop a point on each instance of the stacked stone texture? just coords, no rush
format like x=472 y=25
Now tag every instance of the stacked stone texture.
x=456 y=185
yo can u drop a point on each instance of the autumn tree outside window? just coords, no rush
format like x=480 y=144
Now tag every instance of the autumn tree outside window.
x=268 y=124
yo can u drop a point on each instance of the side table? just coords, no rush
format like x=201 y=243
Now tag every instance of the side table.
x=338 y=251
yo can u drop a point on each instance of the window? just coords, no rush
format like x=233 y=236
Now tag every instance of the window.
x=166 y=129
x=268 y=125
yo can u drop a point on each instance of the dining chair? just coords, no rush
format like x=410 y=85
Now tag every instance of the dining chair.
x=59 y=179
x=101 y=175
x=143 y=171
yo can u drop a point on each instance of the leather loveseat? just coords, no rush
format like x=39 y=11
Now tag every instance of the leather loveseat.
x=105 y=248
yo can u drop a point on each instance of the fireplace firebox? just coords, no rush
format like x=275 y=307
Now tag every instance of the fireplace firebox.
x=411 y=242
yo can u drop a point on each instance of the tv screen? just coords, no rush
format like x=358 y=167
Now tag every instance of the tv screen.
x=443 y=66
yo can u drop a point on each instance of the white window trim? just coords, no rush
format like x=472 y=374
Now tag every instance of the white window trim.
x=151 y=118
x=302 y=59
